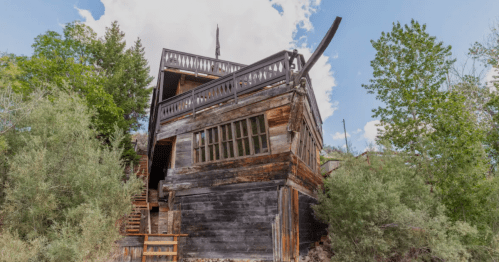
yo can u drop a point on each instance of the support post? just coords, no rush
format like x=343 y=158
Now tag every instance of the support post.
x=196 y=64
x=234 y=87
x=286 y=67
x=193 y=105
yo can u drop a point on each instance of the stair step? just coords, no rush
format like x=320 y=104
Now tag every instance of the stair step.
x=159 y=243
x=159 y=253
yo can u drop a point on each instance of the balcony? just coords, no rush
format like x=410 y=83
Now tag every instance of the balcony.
x=234 y=80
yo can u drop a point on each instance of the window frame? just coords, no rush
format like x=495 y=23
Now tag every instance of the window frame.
x=233 y=140
x=307 y=146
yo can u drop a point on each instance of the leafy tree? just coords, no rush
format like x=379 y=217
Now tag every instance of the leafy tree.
x=127 y=74
x=443 y=129
x=112 y=79
x=410 y=67
x=63 y=61
x=488 y=53
x=64 y=192
x=383 y=211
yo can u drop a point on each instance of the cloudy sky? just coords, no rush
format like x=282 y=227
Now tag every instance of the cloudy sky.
x=252 y=30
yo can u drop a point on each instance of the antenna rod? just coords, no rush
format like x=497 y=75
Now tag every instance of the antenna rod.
x=344 y=129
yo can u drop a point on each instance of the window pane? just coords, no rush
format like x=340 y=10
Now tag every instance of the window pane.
x=256 y=144
x=196 y=158
x=224 y=133
x=240 y=151
x=217 y=152
x=203 y=154
x=238 y=129
x=197 y=139
x=210 y=150
x=247 y=146
x=254 y=128
x=245 y=127
x=210 y=137
x=215 y=134
x=262 y=124
x=231 y=149
x=225 y=149
x=229 y=130
x=202 y=139
x=264 y=143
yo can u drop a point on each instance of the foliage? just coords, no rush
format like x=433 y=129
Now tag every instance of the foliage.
x=112 y=80
x=63 y=189
x=63 y=61
x=13 y=249
x=409 y=69
x=126 y=73
x=383 y=211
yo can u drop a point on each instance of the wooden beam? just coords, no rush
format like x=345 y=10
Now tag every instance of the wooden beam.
x=160 y=254
x=160 y=243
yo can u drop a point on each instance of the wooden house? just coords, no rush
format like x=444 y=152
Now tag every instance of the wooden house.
x=233 y=159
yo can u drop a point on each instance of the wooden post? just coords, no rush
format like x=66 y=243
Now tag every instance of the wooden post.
x=286 y=67
x=149 y=217
x=175 y=249
x=196 y=64
x=234 y=86
x=144 y=249
x=193 y=104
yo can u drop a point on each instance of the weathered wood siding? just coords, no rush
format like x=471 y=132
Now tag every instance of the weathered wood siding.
x=183 y=150
x=230 y=224
x=244 y=170
x=311 y=229
x=303 y=176
x=185 y=85
x=252 y=104
x=279 y=137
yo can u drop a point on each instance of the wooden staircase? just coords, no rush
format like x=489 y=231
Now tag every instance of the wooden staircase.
x=173 y=243
x=140 y=202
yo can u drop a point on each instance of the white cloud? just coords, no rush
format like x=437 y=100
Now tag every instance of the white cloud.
x=339 y=135
x=371 y=131
x=489 y=78
x=249 y=31
x=357 y=131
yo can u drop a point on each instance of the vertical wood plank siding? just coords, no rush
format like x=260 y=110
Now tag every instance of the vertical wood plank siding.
x=233 y=224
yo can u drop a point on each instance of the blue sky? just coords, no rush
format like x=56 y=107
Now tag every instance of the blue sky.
x=457 y=23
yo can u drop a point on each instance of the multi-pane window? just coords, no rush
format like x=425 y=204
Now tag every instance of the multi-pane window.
x=237 y=139
x=242 y=139
x=258 y=134
x=307 y=147
x=227 y=141
x=199 y=147
x=213 y=144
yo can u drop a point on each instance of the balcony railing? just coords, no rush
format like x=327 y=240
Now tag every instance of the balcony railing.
x=235 y=79
x=268 y=71
x=199 y=64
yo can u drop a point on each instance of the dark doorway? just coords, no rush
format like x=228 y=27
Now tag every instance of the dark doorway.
x=160 y=164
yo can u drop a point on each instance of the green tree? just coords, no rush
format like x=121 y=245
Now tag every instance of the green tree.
x=382 y=210
x=64 y=191
x=410 y=67
x=63 y=61
x=126 y=73
x=442 y=128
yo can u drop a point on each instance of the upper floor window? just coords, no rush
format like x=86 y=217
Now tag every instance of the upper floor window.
x=239 y=138
x=307 y=148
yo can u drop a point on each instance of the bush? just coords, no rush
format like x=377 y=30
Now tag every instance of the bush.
x=384 y=211
x=63 y=186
